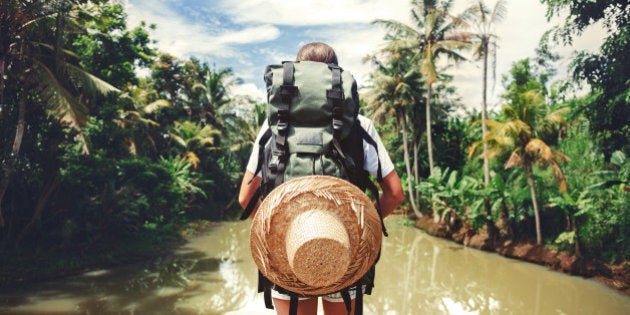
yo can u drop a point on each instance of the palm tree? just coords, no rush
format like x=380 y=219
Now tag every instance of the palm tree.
x=526 y=121
x=193 y=137
x=215 y=95
x=482 y=20
x=395 y=91
x=40 y=71
x=134 y=116
x=433 y=35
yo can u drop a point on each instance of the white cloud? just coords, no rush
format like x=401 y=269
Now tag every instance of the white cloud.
x=178 y=36
x=248 y=89
x=314 y=12
x=345 y=25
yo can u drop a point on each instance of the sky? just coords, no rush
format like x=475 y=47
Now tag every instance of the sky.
x=247 y=35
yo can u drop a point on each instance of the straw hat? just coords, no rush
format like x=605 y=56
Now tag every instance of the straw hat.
x=315 y=235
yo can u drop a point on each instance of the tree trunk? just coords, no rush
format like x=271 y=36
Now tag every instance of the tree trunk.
x=49 y=189
x=416 y=171
x=484 y=114
x=532 y=190
x=410 y=182
x=429 y=138
x=15 y=150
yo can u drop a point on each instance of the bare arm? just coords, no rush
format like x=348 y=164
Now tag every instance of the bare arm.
x=393 y=194
x=248 y=189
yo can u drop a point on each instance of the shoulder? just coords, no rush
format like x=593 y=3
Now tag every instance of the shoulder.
x=367 y=124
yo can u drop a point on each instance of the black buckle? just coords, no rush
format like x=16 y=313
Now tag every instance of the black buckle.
x=282 y=126
x=288 y=90
x=273 y=164
x=337 y=124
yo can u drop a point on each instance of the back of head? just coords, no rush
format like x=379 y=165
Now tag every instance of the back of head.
x=319 y=52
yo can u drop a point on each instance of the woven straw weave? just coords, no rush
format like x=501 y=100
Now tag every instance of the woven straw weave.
x=315 y=235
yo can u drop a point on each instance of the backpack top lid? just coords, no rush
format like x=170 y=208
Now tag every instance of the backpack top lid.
x=310 y=109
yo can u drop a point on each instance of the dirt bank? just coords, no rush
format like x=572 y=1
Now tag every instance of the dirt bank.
x=615 y=276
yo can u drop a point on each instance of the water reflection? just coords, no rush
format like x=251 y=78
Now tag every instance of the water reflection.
x=206 y=276
x=417 y=274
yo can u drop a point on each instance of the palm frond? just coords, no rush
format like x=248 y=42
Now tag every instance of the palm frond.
x=515 y=160
x=499 y=11
x=402 y=29
x=88 y=81
x=539 y=150
x=61 y=102
x=156 y=105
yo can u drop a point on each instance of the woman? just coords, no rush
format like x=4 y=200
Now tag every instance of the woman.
x=391 y=197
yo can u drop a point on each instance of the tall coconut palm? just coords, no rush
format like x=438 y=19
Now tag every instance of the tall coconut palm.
x=41 y=72
x=434 y=34
x=525 y=121
x=395 y=90
x=482 y=20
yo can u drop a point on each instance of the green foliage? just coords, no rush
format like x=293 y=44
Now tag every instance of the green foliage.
x=453 y=197
x=116 y=197
x=607 y=71
x=111 y=51
x=597 y=200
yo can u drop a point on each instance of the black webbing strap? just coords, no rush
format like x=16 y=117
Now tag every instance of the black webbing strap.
x=374 y=190
x=335 y=95
x=264 y=285
x=251 y=204
x=358 y=303
x=379 y=177
x=256 y=197
x=287 y=91
x=345 y=295
x=261 y=152
x=365 y=136
x=293 y=304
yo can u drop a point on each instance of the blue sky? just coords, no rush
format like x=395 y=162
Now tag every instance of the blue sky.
x=246 y=35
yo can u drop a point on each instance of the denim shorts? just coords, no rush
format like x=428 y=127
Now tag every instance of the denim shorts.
x=333 y=297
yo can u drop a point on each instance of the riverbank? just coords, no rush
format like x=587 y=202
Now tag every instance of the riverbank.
x=614 y=276
x=19 y=267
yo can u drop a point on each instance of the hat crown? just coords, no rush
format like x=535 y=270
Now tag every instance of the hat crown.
x=310 y=239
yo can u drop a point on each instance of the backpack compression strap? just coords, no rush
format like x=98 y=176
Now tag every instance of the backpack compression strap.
x=287 y=90
x=335 y=95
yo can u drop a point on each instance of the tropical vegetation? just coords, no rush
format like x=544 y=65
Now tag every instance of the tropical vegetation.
x=102 y=146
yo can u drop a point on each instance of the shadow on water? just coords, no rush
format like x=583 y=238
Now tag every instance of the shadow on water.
x=202 y=277
x=416 y=274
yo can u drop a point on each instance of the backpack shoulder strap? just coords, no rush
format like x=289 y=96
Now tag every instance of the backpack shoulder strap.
x=261 y=156
x=367 y=138
x=379 y=176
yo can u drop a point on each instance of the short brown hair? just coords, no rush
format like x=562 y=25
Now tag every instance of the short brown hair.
x=317 y=51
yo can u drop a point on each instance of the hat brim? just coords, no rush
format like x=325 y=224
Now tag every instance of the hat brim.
x=337 y=197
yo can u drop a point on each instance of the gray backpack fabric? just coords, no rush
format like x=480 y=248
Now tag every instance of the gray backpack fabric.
x=311 y=111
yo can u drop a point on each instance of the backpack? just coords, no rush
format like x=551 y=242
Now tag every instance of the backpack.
x=314 y=129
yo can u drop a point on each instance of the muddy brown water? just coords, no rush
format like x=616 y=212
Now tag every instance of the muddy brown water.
x=417 y=274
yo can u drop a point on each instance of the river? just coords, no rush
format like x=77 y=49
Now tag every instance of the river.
x=417 y=274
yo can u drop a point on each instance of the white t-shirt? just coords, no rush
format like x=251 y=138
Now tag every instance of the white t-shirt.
x=371 y=161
